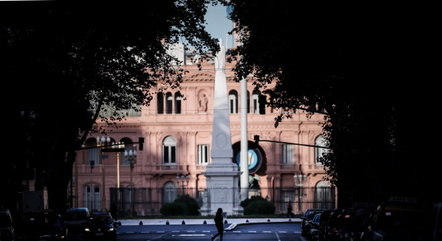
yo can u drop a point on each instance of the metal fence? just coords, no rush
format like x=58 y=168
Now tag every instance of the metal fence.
x=133 y=202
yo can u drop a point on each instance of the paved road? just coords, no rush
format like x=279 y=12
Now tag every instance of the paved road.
x=252 y=231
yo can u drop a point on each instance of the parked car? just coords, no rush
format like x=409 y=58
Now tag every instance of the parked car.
x=101 y=225
x=76 y=220
x=45 y=225
x=351 y=222
x=436 y=233
x=397 y=221
x=7 y=232
x=314 y=227
x=322 y=229
x=331 y=227
x=308 y=215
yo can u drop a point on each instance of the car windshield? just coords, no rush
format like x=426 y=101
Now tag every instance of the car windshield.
x=73 y=216
x=97 y=220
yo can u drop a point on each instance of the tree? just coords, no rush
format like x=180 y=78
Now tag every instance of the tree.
x=69 y=63
x=368 y=124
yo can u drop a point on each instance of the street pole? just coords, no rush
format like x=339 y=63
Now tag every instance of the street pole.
x=299 y=199
x=118 y=170
x=244 y=165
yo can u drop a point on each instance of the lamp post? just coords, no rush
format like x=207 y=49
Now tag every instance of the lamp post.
x=131 y=155
x=299 y=179
x=106 y=145
x=102 y=141
x=184 y=181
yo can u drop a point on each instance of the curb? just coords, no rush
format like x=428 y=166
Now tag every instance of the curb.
x=233 y=222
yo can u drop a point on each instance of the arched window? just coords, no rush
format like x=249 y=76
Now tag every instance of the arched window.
x=169 y=192
x=324 y=195
x=93 y=154
x=233 y=102
x=319 y=151
x=92 y=197
x=178 y=98
x=169 y=103
x=160 y=103
x=169 y=150
x=255 y=101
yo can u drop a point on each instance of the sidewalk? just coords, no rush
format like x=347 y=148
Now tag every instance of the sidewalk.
x=232 y=221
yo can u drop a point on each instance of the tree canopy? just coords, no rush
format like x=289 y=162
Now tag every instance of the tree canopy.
x=365 y=67
x=66 y=62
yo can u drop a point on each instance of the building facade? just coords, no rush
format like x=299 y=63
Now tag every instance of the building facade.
x=176 y=128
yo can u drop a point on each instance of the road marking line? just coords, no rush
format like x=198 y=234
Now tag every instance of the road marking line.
x=277 y=236
x=251 y=231
x=267 y=231
x=190 y=235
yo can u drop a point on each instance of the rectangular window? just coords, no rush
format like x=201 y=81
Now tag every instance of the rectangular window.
x=288 y=154
x=93 y=155
x=203 y=154
x=97 y=199
x=92 y=198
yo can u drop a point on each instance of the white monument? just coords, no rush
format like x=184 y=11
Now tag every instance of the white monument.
x=222 y=175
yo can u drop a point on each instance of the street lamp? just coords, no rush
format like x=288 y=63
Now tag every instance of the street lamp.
x=184 y=181
x=131 y=155
x=299 y=179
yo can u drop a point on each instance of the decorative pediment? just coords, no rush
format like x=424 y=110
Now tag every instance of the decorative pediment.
x=200 y=77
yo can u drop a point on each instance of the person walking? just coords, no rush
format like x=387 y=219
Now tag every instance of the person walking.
x=289 y=209
x=219 y=224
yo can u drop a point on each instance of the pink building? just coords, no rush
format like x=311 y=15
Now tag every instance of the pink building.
x=176 y=128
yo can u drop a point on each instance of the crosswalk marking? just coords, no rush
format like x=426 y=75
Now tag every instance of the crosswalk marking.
x=205 y=231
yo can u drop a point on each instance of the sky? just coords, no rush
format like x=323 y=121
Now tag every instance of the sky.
x=218 y=25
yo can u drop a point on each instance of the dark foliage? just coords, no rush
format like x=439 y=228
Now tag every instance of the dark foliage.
x=369 y=69
x=257 y=205
x=182 y=206
x=65 y=63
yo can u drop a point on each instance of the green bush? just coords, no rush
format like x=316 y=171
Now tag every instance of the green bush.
x=171 y=209
x=257 y=205
x=246 y=202
x=182 y=206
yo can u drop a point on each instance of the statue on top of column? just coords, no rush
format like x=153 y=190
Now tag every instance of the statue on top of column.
x=220 y=57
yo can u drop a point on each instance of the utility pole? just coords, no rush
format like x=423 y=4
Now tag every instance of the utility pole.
x=244 y=167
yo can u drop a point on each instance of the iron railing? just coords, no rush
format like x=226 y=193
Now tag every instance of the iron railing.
x=132 y=202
